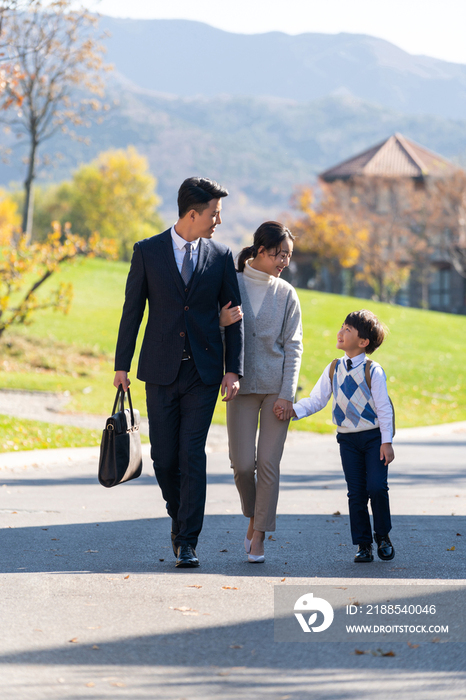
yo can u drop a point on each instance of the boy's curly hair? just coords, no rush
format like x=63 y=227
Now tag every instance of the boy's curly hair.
x=368 y=327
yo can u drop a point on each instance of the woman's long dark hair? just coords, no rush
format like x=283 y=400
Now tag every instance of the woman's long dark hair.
x=269 y=235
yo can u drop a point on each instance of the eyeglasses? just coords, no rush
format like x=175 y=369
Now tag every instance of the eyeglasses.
x=281 y=256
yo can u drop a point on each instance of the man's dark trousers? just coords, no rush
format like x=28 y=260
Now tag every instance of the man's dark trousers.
x=366 y=478
x=179 y=419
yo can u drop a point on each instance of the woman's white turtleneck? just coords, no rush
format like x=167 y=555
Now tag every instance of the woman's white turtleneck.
x=256 y=283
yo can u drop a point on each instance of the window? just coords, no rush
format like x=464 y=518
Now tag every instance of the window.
x=440 y=289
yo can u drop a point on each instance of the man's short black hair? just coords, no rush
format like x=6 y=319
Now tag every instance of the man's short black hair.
x=368 y=327
x=196 y=193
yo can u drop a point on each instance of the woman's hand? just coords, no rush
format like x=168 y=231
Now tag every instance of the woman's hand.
x=230 y=315
x=283 y=409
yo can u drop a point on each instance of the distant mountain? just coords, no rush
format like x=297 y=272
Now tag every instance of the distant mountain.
x=260 y=148
x=186 y=59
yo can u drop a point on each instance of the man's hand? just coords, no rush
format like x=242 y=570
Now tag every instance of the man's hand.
x=386 y=453
x=121 y=377
x=283 y=409
x=230 y=386
x=230 y=315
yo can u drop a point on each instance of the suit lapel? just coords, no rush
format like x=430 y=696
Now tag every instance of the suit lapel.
x=201 y=263
x=170 y=261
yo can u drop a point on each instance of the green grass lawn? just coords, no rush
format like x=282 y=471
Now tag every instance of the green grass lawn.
x=34 y=435
x=423 y=354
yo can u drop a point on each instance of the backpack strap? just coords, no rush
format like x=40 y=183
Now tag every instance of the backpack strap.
x=367 y=372
x=331 y=372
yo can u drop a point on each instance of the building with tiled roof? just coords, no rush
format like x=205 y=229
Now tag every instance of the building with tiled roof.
x=375 y=178
x=394 y=157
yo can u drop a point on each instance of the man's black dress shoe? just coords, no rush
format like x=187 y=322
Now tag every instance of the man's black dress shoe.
x=385 y=549
x=186 y=557
x=364 y=553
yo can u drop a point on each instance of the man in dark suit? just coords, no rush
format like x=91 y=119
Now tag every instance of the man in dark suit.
x=185 y=276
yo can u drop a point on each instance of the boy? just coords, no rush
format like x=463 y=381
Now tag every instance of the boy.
x=364 y=419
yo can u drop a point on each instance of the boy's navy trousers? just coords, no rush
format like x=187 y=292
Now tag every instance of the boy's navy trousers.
x=366 y=478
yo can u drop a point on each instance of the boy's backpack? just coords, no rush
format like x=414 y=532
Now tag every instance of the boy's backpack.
x=367 y=373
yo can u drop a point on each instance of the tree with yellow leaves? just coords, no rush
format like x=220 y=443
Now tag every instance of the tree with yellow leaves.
x=114 y=195
x=24 y=269
x=9 y=218
x=324 y=234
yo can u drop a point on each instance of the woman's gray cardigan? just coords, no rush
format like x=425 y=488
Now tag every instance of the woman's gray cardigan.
x=272 y=342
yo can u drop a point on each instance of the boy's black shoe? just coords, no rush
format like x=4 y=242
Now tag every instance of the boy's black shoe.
x=385 y=549
x=364 y=553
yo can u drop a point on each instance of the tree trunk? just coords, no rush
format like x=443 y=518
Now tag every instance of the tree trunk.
x=28 y=211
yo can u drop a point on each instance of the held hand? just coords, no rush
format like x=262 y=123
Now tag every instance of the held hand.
x=386 y=453
x=283 y=409
x=230 y=386
x=228 y=315
x=121 y=377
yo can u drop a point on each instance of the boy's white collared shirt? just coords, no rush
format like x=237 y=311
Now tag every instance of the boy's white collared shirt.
x=322 y=391
x=179 y=249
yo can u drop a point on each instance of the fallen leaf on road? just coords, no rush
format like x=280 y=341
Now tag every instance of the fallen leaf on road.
x=230 y=588
x=283 y=579
x=458 y=534
x=451 y=549
x=95 y=646
x=413 y=646
x=90 y=685
x=337 y=512
x=359 y=652
x=379 y=652
x=272 y=538
x=74 y=640
x=194 y=586
x=161 y=559
x=119 y=685
x=126 y=577
x=224 y=550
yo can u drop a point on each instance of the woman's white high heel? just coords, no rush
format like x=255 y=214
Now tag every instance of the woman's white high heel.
x=256 y=559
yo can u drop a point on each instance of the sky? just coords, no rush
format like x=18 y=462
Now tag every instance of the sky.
x=430 y=27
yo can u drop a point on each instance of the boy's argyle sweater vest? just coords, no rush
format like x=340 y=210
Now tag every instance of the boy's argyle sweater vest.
x=353 y=406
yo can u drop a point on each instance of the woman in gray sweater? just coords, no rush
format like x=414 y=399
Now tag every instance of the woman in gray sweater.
x=273 y=348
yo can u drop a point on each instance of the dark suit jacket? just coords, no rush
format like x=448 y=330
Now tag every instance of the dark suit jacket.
x=174 y=312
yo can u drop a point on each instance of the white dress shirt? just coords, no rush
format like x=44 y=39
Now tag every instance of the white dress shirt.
x=322 y=392
x=179 y=249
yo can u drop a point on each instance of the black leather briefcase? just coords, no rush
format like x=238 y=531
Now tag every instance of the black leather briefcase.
x=120 y=449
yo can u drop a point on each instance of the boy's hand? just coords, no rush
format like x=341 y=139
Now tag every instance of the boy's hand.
x=283 y=409
x=386 y=453
x=229 y=314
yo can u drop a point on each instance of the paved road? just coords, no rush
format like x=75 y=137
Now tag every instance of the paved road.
x=92 y=606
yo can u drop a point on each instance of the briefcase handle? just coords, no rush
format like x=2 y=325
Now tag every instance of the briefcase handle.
x=121 y=395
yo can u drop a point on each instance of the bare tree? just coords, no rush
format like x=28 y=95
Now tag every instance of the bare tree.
x=447 y=217
x=60 y=60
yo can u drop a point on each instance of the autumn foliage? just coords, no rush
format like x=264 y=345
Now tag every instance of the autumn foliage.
x=25 y=268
